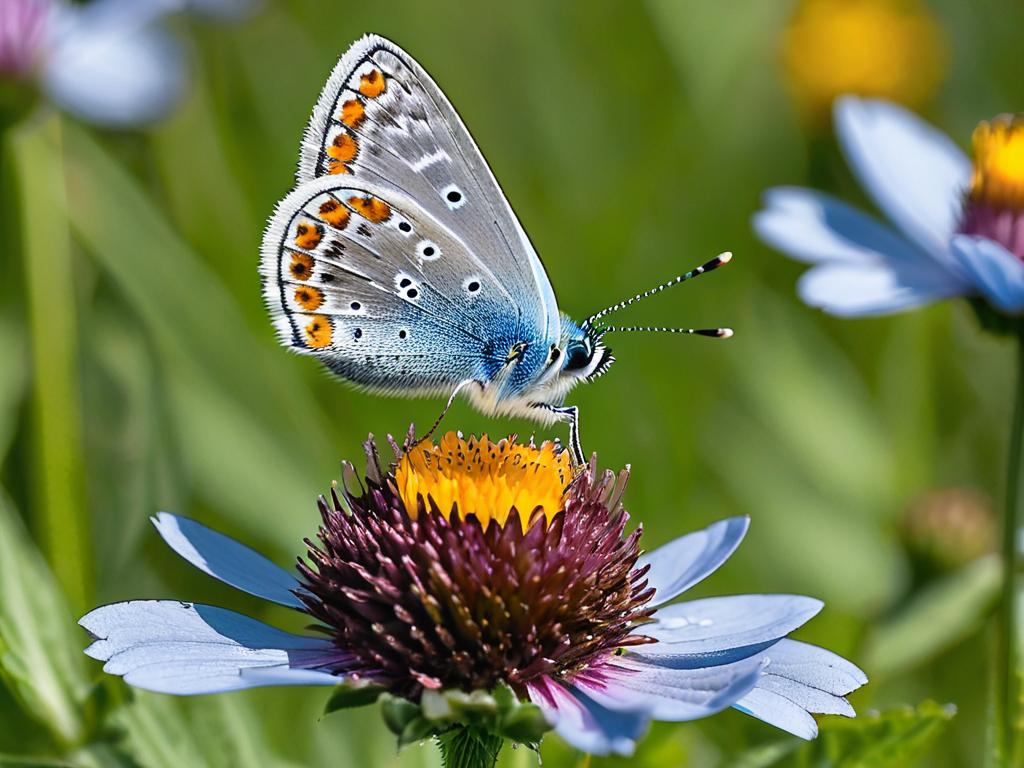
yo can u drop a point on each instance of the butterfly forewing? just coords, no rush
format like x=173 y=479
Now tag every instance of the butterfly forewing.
x=351 y=270
x=382 y=118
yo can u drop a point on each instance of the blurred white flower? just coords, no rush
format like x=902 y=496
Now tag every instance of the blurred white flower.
x=959 y=228
x=110 y=62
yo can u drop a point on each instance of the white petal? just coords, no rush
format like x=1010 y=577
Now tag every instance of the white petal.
x=857 y=290
x=914 y=172
x=997 y=273
x=814 y=227
x=721 y=630
x=226 y=559
x=678 y=565
x=183 y=648
x=111 y=63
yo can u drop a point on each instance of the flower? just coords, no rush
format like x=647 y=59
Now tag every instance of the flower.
x=109 y=62
x=959 y=230
x=472 y=566
x=885 y=48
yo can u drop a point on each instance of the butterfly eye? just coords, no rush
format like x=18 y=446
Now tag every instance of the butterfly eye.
x=453 y=196
x=576 y=356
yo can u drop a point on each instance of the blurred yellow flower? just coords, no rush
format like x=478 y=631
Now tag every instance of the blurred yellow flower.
x=892 y=49
x=998 y=177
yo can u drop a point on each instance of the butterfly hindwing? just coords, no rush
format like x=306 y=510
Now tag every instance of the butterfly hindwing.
x=381 y=118
x=350 y=271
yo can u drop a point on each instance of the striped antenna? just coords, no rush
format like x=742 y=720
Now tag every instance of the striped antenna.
x=716 y=333
x=715 y=263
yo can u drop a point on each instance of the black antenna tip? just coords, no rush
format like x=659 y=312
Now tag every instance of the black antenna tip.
x=715 y=333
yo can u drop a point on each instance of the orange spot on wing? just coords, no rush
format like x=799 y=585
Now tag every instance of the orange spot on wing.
x=352 y=112
x=308 y=297
x=318 y=332
x=336 y=167
x=372 y=208
x=308 y=235
x=372 y=84
x=343 y=148
x=334 y=213
x=301 y=266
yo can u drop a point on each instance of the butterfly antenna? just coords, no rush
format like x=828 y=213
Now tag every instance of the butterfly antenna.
x=715 y=263
x=715 y=333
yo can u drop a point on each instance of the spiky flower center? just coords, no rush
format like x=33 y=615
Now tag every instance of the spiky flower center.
x=469 y=564
x=485 y=479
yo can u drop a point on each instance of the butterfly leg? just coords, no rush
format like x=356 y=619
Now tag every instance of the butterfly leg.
x=448 y=405
x=571 y=414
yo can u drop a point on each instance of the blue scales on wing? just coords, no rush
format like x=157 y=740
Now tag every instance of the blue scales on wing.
x=351 y=272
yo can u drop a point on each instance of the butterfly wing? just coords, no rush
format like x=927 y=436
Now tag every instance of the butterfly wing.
x=351 y=274
x=381 y=118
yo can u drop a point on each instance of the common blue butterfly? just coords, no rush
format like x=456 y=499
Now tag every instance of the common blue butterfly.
x=398 y=262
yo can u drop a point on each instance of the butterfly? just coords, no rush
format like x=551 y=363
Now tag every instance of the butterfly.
x=397 y=261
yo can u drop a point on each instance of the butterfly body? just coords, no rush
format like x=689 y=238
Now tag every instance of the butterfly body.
x=398 y=262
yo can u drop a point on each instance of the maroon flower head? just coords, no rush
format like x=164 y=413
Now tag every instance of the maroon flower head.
x=470 y=563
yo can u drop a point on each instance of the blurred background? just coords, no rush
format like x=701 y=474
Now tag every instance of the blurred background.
x=138 y=370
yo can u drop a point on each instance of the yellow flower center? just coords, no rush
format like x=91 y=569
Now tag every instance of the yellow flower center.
x=484 y=479
x=998 y=178
x=886 y=48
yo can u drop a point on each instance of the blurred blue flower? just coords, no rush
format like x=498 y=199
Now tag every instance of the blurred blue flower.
x=109 y=62
x=958 y=231
x=562 y=607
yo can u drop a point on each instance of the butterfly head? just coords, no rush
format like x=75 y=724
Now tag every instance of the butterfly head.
x=580 y=355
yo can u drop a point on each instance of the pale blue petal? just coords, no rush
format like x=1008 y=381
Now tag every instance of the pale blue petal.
x=111 y=62
x=997 y=273
x=629 y=683
x=721 y=630
x=678 y=565
x=816 y=667
x=183 y=648
x=224 y=558
x=801 y=679
x=914 y=172
x=584 y=723
x=779 y=711
x=859 y=290
x=814 y=227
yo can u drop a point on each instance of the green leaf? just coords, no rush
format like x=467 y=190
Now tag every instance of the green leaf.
x=879 y=740
x=349 y=696
x=936 y=618
x=40 y=647
x=398 y=713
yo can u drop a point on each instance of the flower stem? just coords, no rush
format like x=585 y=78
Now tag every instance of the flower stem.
x=1007 y=677
x=58 y=471
x=467 y=747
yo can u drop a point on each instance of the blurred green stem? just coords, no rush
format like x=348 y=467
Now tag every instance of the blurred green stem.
x=1007 y=677
x=58 y=479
